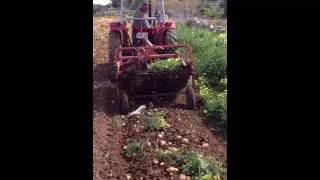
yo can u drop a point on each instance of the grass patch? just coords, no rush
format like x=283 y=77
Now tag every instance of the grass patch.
x=132 y=148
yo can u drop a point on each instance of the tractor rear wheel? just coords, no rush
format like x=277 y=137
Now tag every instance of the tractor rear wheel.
x=113 y=98
x=124 y=107
x=170 y=38
x=114 y=42
x=190 y=96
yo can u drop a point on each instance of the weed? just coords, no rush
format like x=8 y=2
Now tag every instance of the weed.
x=217 y=109
x=116 y=120
x=133 y=147
x=215 y=103
x=173 y=157
x=155 y=122
x=202 y=168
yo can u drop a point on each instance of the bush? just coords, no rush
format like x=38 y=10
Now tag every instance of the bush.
x=223 y=84
x=169 y=13
x=210 y=55
x=217 y=109
x=209 y=13
x=214 y=103
x=209 y=51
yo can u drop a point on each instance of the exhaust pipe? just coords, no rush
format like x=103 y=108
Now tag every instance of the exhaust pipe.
x=150 y=13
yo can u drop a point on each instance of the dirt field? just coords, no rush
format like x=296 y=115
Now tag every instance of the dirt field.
x=111 y=133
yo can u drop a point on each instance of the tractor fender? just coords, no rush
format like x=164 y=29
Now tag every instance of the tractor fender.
x=162 y=28
x=170 y=24
x=122 y=29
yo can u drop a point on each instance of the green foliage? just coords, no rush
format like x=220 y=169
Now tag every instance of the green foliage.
x=209 y=13
x=215 y=103
x=170 y=64
x=223 y=84
x=217 y=109
x=173 y=157
x=209 y=51
x=133 y=147
x=199 y=167
x=169 y=13
x=202 y=168
x=202 y=6
x=134 y=4
x=155 y=122
x=116 y=3
x=210 y=54
x=99 y=9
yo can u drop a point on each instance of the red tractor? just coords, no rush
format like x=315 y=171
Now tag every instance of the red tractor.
x=129 y=57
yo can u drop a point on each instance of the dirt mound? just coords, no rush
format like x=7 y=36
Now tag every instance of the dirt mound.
x=107 y=131
x=184 y=123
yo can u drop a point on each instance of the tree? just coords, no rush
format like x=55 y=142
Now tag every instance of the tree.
x=108 y=6
x=116 y=3
x=136 y=3
x=130 y=4
x=225 y=8
x=96 y=8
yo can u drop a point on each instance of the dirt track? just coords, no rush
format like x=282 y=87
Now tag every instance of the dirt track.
x=112 y=133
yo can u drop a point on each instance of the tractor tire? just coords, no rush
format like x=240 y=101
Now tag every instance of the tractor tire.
x=114 y=42
x=190 y=96
x=112 y=74
x=113 y=99
x=171 y=98
x=170 y=38
x=124 y=105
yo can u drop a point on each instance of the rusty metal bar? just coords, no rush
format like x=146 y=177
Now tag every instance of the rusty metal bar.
x=150 y=56
x=164 y=46
x=153 y=48
x=146 y=53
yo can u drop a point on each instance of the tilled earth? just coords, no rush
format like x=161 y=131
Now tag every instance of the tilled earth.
x=112 y=133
